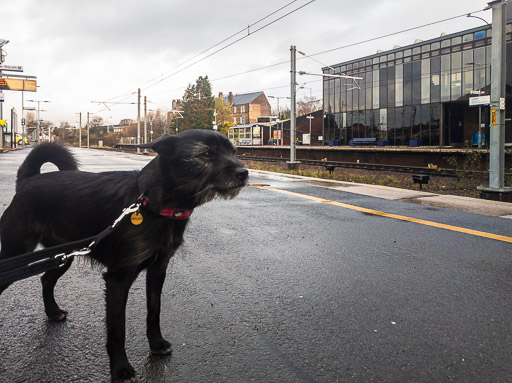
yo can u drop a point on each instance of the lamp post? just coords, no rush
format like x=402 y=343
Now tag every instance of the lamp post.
x=310 y=117
x=38 y=114
x=496 y=188
x=279 y=114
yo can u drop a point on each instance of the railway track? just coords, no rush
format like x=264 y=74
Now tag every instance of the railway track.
x=331 y=165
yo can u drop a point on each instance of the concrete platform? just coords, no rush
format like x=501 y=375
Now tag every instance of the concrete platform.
x=473 y=205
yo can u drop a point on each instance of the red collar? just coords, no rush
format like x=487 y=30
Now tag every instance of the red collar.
x=170 y=212
x=173 y=213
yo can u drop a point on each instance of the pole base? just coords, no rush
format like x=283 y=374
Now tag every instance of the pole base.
x=496 y=194
x=293 y=165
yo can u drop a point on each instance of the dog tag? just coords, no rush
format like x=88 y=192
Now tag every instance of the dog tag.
x=136 y=218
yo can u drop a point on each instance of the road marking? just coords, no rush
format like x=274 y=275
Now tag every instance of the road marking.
x=477 y=233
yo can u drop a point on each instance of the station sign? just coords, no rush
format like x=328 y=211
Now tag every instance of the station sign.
x=12 y=68
x=480 y=100
x=7 y=83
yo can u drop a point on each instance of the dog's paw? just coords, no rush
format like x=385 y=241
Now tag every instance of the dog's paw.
x=57 y=315
x=125 y=374
x=161 y=347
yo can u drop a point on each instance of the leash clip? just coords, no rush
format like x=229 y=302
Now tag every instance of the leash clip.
x=130 y=209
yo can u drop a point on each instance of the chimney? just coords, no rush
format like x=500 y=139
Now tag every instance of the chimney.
x=230 y=97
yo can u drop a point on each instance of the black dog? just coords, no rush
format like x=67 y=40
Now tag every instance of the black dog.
x=53 y=208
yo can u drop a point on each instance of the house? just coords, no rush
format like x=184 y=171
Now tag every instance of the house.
x=247 y=107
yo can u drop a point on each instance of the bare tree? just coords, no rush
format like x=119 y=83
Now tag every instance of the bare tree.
x=308 y=105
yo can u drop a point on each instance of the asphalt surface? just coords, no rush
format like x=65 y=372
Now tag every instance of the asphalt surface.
x=274 y=287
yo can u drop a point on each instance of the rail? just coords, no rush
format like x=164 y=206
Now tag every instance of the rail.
x=331 y=165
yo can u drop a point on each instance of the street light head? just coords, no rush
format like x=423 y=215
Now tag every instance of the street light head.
x=3 y=42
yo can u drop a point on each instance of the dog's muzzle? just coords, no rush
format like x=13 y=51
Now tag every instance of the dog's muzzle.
x=242 y=174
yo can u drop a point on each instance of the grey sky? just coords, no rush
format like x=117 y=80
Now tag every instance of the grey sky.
x=83 y=51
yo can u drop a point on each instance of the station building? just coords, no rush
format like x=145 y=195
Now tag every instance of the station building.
x=417 y=95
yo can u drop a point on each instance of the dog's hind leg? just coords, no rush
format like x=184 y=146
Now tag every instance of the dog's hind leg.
x=155 y=277
x=49 y=280
x=118 y=284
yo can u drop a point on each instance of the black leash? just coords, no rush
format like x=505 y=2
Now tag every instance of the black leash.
x=37 y=262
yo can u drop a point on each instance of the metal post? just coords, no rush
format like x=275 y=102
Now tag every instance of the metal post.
x=38 y=139
x=87 y=130
x=145 y=120
x=80 y=132
x=479 y=127
x=293 y=126
x=138 y=120
x=496 y=188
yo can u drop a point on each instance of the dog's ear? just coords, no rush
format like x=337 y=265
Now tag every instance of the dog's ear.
x=164 y=145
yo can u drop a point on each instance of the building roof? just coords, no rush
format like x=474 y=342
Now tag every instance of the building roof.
x=241 y=99
x=415 y=44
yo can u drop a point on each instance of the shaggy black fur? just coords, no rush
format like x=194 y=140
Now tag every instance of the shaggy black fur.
x=58 y=207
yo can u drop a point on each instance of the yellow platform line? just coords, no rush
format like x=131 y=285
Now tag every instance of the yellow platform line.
x=477 y=233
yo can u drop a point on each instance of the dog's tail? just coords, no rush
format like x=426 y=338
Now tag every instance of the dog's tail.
x=41 y=154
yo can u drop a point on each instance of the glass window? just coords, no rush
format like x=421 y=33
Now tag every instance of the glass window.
x=467 y=70
x=407 y=52
x=425 y=55
x=416 y=50
x=399 y=55
x=416 y=82
x=362 y=91
x=456 y=76
x=391 y=56
x=355 y=95
x=391 y=86
x=445 y=78
x=382 y=59
x=445 y=43
x=456 y=40
x=435 y=45
x=425 y=81
x=407 y=83
x=435 y=118
x=479 y=35
x=355 y=65
x=456 y=48
x=375 y=90
x=399 y=85
x=383 y=88
x=383 y=124
x=399 y=121
x=425 y=48
x=376 y=60
x=467 y=38
x=435 y=79
x=368 y=90
x=337 y=95
x=479 y=63
x=368 y=62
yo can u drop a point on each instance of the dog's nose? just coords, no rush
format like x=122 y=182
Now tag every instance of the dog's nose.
x=242 y=173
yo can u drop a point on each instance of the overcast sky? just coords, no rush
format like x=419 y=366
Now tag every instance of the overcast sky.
x=103 y=50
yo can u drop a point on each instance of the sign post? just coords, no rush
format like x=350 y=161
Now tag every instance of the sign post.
x=480 y=101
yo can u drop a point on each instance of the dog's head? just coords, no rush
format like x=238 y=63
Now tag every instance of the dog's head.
x=198 y=165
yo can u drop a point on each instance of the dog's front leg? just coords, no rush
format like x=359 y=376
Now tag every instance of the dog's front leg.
x=155 y=278
x=118 y=284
